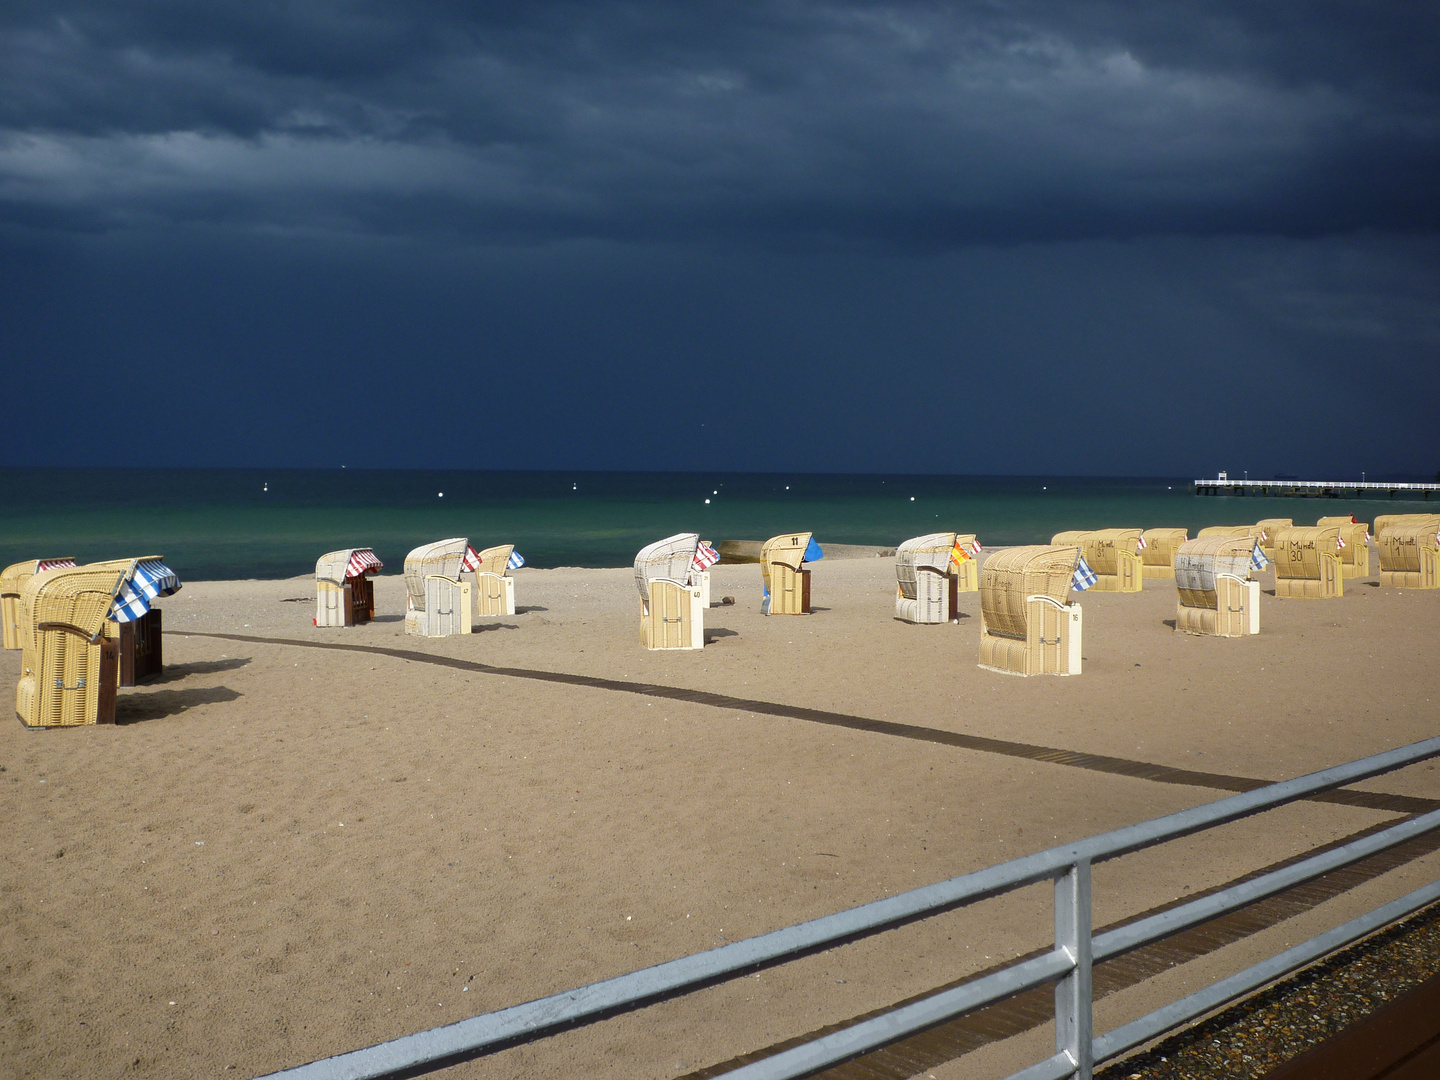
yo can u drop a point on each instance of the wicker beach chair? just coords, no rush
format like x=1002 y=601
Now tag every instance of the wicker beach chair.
x=12 y=580
x=445 y=561
x=1027 y=625
x=1384 y=521
x=1217 y=596
x=140 y=636
x=493 y=587
x=1271 y=526
x=1307 y=563
x=70 y=664
x=344 y=594
x=672 y=611
x=927 y=575
x=1409 y=551
x=1114 y=555
x=783 y=576
x=1158 y=558
x=1355 y=557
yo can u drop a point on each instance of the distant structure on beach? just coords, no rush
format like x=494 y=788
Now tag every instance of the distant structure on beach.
x=1290 y=488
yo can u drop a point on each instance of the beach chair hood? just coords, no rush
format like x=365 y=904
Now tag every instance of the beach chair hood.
x=443 y=557
x=667 y=560
x=336 y=566
x=1199 y=561
x=928 y=552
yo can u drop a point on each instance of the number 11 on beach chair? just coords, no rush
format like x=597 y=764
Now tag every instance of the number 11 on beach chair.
x=783 y=577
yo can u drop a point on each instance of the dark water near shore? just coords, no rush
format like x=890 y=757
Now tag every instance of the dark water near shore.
x=224 y=523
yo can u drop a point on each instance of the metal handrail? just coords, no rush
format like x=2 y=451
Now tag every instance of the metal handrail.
x=1067 y=865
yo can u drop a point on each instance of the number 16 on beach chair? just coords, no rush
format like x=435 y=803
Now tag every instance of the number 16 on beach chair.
x=783 y=577
x=344 y=594
x=672 y=611
x=1027 y=624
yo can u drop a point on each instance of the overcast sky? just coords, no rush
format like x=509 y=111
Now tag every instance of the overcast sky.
x=1068 y=237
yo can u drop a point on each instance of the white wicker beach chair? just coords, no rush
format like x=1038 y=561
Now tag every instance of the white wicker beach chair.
x=672 y=612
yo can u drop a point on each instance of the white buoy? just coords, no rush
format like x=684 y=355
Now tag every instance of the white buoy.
x=440 y=495
x=707 y=502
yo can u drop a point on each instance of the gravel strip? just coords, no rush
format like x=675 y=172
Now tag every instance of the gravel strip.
x=1249 y=1039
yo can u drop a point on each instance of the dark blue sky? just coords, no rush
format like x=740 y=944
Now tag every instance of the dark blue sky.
x=993 y=238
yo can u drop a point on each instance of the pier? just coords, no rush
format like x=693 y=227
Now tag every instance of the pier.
x=1317 y=489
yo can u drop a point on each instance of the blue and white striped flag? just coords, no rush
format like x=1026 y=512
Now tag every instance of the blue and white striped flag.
x=1083 y=577
x=515 y=561
x=150 y=579
x=1258 y=559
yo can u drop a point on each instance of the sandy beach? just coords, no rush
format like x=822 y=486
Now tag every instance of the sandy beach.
x=284 y=852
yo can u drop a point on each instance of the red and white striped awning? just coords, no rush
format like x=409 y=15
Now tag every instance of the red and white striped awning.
x=53 y=564
x=362 y=561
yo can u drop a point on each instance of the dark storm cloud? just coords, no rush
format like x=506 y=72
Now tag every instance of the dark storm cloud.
x=905 y=125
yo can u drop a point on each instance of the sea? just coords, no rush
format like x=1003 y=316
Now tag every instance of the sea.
x=218 y=524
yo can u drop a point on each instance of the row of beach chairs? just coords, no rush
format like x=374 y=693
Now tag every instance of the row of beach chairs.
x=85 y=630
x=1029 y=626
x=449 y=586
x=1028 y=623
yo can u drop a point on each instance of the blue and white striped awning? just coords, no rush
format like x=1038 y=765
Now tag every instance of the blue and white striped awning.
x=150 y=578
x=1083 y=577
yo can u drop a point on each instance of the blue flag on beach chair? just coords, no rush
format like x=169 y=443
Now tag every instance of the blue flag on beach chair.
x=1258 y=559
x=151 y=579
x=515 y=561
x=1083 y=577
x=813 y=552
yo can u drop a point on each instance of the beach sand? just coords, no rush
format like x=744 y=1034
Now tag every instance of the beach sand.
x=285 y=852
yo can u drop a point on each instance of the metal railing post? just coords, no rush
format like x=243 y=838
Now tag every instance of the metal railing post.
x=1074 y=1030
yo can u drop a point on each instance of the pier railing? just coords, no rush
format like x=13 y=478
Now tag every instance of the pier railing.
x=1317 y=489
x=1067 y=964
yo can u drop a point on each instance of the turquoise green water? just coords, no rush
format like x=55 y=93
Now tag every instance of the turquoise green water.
x=235 y=523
